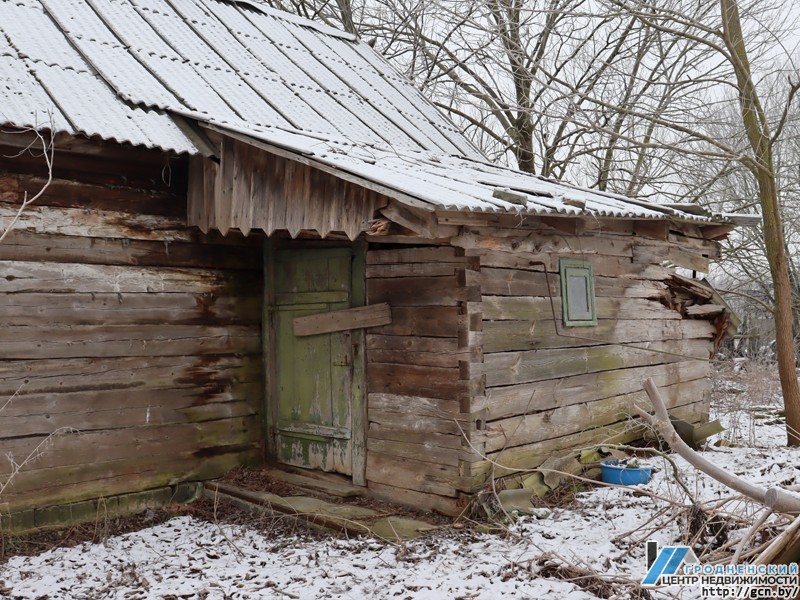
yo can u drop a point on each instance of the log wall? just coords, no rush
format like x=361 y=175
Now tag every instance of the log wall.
x=477 y=366
x=135 y=336
x=417 y=398
x=541 y=387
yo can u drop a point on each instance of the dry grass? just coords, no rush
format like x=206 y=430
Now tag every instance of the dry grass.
x=744 y=394
x=603 y=586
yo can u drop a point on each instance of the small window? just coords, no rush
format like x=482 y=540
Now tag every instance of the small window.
x=577 y=293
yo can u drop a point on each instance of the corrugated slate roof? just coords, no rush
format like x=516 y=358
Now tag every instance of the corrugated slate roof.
x=44 y=81
x=127 y=70
x=221 y=62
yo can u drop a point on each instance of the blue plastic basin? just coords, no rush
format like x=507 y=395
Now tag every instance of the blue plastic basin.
x=619 y=474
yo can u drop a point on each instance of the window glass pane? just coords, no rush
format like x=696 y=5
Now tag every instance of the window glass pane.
x=578 y=293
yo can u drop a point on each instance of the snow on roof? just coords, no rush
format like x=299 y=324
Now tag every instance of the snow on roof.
x=453 y=183
x=130 y=70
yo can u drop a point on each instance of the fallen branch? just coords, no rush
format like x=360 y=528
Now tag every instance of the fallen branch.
x=778 y=499
x=784 y=542
x=749 y=535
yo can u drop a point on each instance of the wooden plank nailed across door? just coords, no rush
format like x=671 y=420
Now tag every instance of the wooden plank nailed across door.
x=342 y=320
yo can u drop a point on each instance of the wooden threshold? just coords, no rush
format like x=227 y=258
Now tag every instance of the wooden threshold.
x=315 y=481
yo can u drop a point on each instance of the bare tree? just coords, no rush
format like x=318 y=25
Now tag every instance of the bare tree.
x=723 y=32
x=743 y=275
x=518 y=76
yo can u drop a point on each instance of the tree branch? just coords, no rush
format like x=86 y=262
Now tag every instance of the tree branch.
x=777 y=499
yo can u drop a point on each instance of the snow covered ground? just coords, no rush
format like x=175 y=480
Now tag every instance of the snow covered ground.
x=603 y=530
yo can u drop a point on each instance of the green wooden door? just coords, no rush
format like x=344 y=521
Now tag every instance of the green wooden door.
x=314 y=374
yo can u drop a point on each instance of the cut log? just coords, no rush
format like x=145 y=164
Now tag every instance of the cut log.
x=704 y=310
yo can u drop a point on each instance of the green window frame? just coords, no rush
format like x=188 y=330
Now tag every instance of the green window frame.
x=577 y=293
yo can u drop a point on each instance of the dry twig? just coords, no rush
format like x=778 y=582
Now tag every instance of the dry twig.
x=48 y=151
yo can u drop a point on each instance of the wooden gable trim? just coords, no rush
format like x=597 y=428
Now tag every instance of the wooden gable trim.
x=336 y=172
x=418 y=221
x=716 y=232
x=251 y=188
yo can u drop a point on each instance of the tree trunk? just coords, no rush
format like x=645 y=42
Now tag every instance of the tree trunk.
x=346 y=16
x=763 y=167
x=784 y=318
x=526 y=158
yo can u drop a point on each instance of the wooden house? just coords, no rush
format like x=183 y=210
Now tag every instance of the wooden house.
x=261 y=243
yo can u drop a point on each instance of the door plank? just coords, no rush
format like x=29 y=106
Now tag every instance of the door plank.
x=373 y=315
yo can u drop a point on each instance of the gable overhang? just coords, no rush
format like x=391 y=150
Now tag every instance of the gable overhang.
x=272 y=180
